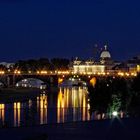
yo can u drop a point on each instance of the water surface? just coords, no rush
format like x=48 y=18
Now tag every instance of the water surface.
x=68 y=104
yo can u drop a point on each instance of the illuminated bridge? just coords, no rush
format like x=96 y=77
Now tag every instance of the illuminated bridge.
x=55 y=77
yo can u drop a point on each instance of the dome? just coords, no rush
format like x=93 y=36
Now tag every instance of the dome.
x=105 y=53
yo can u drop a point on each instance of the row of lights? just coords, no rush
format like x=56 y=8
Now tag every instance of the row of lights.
x=17 y=72
x=67 y=72
x=50 y=72
x=39 y=72
x=126 y=74
x=42 y=72
x=62 y=72
x=107 y=73
x=90 y=73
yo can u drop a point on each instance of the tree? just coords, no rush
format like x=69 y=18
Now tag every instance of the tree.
x=44 y=64
x=108 y=95
x=60 y=63
x=120 y=94
x=100 y=96
x=134 y=106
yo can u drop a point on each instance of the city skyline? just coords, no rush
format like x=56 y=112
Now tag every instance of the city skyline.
x=34 y=29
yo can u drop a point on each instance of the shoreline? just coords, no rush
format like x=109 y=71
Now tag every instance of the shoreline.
x=121 y=129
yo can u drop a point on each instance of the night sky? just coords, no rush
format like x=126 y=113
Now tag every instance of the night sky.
x=68 y=28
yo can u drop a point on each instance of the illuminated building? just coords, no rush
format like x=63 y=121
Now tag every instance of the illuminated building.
x=91 y=67
x=134 y=64
x=7 y=65
x=88 y=69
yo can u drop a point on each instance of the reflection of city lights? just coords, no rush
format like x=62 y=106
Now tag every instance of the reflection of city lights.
x=17 y=111
x=75 y=98
x=2 y=112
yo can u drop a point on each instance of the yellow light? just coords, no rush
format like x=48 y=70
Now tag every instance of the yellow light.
x=29 y=72
x=132 y=74
x=17 y=72
x=99 y=73
x=127 y=74
x=103 y=73
x=43 y=72
x=120 y=74
x=93 y=81
x=60 y=80
x=2 y=72
x=138 y=68
x=18 y=105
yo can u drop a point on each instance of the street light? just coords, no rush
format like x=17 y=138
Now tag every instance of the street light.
x=115 y=113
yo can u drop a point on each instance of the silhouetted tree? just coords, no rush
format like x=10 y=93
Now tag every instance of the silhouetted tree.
x=109 y=94
x=2 y=67
x=120 y=94
x=100 y=96
x=134 y=106
x=60 y=63
x=42 y=64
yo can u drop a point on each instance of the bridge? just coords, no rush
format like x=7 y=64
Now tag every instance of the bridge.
x=54 y=77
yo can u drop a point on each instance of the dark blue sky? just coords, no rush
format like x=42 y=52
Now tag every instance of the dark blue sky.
x=66 y=28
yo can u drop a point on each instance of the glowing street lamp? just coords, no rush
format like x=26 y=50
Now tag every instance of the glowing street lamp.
x=2 y=72
x=17 y=72
x=115 y=113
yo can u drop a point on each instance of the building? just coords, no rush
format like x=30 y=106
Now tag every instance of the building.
x=7 y=65
x=104 y=64
x=134 y=64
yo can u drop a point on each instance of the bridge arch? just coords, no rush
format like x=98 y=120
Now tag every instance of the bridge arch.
x=29 y=82
x=2 y=84
x=45 y=78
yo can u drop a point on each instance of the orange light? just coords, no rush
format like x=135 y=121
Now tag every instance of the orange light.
x=2 y=72
x=93 y=81
x=60 y=80
x=17 y=72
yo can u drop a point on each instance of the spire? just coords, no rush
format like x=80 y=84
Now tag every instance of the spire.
x=105 y=47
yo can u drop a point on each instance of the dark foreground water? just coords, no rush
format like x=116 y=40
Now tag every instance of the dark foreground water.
x=64 y=105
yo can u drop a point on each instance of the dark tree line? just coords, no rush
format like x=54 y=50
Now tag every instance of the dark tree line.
x=42 y=64
x=2 y=67
x=115 y=94
x=134 y=106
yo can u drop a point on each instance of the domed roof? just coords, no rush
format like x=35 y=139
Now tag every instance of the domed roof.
x=105 y=53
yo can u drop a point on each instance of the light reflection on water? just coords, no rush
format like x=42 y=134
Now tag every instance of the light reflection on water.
x=69 y=104
x=72 y=105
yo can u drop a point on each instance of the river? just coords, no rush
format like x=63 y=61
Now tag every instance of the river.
x=67 y=104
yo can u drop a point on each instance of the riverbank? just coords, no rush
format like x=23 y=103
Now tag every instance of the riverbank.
x=124 y=129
